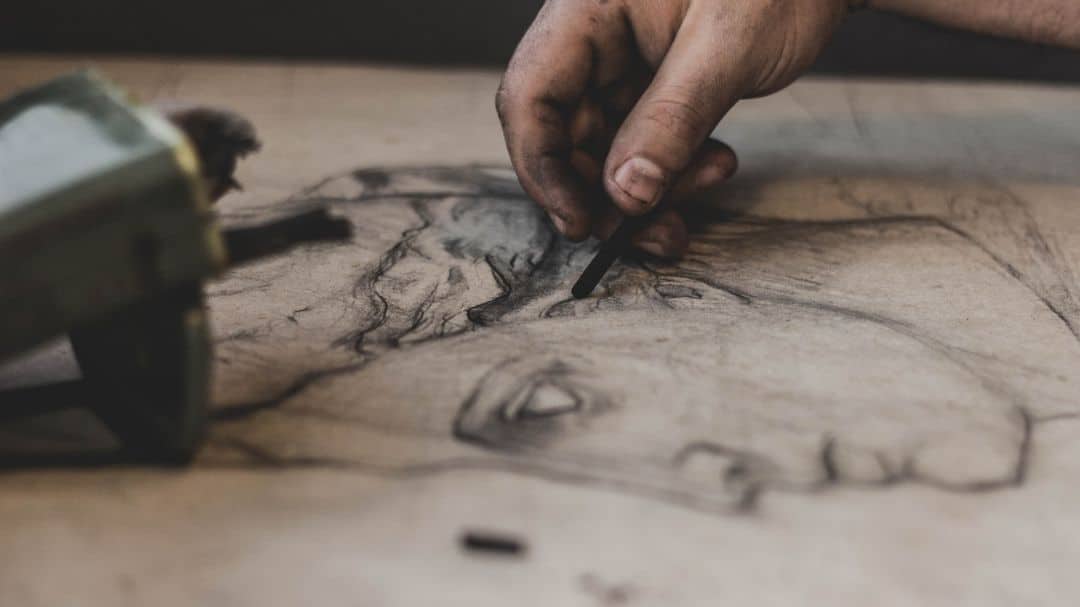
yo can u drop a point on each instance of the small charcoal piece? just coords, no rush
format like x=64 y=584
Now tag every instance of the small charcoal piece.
x=492 y=543
x=612 y=249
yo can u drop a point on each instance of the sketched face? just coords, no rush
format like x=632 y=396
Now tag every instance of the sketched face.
x=779 y=354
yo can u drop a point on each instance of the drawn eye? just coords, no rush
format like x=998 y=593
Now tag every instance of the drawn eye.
x=541 y=399
x=528 y=403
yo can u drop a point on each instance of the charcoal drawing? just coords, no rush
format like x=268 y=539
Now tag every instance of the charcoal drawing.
x=919 y=339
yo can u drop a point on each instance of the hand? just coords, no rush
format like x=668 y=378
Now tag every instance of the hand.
x=620 y=96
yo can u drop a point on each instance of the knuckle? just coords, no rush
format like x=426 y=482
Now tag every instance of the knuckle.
x=549 y=112
x=681 y=116
x=503 y=101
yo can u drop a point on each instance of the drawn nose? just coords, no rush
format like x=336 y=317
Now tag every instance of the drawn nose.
x=708 y=464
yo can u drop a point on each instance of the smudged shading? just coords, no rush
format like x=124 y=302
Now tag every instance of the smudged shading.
x=498 y=263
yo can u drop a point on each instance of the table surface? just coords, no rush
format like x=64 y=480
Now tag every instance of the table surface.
x=897 y=403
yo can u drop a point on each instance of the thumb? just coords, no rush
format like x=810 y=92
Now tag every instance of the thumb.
x=691 y=92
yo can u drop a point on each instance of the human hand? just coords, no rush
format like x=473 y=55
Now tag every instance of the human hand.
x=620 y=96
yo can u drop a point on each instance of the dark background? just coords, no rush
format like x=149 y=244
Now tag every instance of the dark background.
x=462 y=32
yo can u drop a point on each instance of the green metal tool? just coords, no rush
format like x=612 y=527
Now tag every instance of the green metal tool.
x=107 y=234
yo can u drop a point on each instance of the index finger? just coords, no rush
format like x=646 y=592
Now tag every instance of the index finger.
x=546 y=80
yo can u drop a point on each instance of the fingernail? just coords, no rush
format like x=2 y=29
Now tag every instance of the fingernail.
x=641 y=180
x=560 y=225
x=711 y=176
x=732 y=168
x=652 y=248
x=721 y=168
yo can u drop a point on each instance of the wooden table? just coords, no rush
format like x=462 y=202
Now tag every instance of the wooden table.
x=860 y=388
